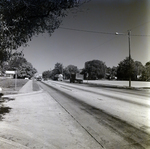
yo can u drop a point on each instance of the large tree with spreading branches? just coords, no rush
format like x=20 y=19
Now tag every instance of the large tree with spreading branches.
x=20 y=20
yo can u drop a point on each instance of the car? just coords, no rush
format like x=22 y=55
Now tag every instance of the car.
x=39 y=79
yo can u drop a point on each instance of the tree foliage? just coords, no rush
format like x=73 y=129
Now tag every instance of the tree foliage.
x=26 y=70
x=70 y=69
x=18 y=63
x=46 y=74
x=146 y=72
x=111 y=73
x=4 y=57
x=16 y=60
x=139 y=67
x=126 y=69
x=96 y=69
x=58 y=68
x=138 y=71
x=21 y=19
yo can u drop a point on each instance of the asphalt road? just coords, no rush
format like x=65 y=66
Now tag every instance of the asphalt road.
x=114 y=118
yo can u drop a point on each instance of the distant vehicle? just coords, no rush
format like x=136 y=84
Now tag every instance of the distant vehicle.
x=76 y=77
x=0 y=90
x=39 y=78
x=58 y=77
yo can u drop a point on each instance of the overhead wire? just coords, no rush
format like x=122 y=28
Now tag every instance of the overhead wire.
x=88 y=31
x=101 y=32
x=140 y=25
x=96 y=46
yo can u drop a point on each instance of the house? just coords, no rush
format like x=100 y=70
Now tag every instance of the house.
x=10 y=74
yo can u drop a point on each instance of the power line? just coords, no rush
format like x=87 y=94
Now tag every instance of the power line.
x=88 y=31
x=141 y=35
x=97 y=32
x=100 y=32
x=76 y=56
x=140 y=25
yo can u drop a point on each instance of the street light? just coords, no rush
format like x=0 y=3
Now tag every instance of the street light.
x=129 y=42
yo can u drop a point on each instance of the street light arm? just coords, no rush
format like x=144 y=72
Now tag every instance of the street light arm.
x=116 y=33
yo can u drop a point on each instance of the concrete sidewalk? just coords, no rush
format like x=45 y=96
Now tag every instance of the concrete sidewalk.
x=37 y=121
x=27 y=88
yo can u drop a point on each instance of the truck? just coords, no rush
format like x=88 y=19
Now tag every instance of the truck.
x=76 y=77
x=58 y=77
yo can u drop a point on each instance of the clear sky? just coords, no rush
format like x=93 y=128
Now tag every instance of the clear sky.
x=88 y=33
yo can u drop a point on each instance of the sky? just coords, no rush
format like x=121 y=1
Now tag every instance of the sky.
x=88 y=33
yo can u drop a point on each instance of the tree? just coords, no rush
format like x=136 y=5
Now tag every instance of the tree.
x=22 y=19
x=4 y=57
x=18 y=63
x=108 y=73
x=59 y=68
x=139 y=68
x=8 y=57
x=96 y=69
x=70 y=69
x=114 y=72
x=46 y=74
x=26 y=70
x=111 y=73
x=146 y=72
x=125 y=69
x=16 y=60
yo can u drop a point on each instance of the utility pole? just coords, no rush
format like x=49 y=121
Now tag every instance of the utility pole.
x=129 y=40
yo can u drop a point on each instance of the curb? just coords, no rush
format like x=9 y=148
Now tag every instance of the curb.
x=10 y=96
x=114 y=86
x=117 y=86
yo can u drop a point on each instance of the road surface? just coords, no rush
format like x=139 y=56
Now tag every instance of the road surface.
x=114 y=118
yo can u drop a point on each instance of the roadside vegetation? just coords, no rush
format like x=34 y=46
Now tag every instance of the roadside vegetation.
x=17 y=62
x=8 y=85
x=96 y=69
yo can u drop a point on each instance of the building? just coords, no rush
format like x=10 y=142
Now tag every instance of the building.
x=10 y=74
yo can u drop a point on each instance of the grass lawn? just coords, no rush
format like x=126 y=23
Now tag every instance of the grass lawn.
x=8 y=85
